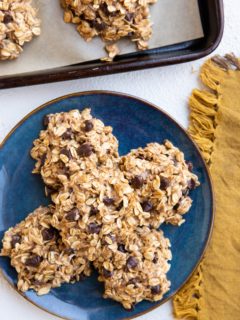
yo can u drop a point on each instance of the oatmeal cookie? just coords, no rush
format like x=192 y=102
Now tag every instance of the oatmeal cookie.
x=73 y=142
x=133 y=266
x=111 y=20
x=88 y=206
x=162 y=180
x=106 y=209
x=18 y=24
x=39 y=256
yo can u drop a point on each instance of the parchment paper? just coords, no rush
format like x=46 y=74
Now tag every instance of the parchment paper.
x=60 y=44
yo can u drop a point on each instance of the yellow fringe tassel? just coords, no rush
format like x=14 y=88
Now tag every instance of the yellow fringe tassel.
x=203 y=110
x=202 y=124
x=186 y=302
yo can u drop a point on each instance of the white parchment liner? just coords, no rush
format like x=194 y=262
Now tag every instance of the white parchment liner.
x=60 y=44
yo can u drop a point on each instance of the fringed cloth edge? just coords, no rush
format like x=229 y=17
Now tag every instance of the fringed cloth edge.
x=203 y=120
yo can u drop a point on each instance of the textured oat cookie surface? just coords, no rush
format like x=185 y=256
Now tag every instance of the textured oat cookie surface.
x=39 y=255
x=18 y=24
x=72 y=142
x=162 y=180
x=133 y=266
x=111 y=20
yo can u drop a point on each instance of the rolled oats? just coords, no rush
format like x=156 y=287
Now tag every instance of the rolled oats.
x=96 y=196
x=39 y=255
x=66 y=146
x=162 y=180
x=18 y=25
x=111 y=20
x=133 y=266
x=112 y=50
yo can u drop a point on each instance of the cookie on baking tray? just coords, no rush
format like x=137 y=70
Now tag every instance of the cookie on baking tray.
x=18 y=24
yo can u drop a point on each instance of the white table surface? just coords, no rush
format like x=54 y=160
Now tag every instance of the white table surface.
x=167 y=87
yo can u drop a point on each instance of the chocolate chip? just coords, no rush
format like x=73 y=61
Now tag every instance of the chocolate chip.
x=72 y=215
x=129 y=16
x=66 y=152
x=107 y=273
x=67 y=134
x=16 y=238
x=132 y=262
x=185 y=192
x=99 y=26
x=94 y=228
x=93 y=211
x=82 y=16
x=88 y=125
x=176 y=206
x=164 y=183
x=121 y=248
x=7 y=18
x=134 y=281
x=191 y=184
x=104 y=8
x=147 y=206
x=119 y=207
x=137 y=182
x=190 y=165
x=108 y=201
x=46 y=120
x=155 y=259
x=33 y=261
x=156 y=289
x=85 y=150
x=49 y=233
x=43 y=159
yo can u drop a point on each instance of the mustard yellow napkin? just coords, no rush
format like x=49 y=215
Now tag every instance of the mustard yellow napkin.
x=213 y=293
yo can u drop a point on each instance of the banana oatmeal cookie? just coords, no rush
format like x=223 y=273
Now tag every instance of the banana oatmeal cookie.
x=162 y=180
x=133 y=266
x=88 y=206
x=111 y=20
x=39 y=256
x=18 y=24
x=73 y=142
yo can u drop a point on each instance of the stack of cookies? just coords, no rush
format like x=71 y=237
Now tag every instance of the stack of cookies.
x=106 y=211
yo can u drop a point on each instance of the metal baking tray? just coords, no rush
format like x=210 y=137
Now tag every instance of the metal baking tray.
x=212 y=17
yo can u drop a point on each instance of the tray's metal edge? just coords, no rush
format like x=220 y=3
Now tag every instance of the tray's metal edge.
x=73 y=73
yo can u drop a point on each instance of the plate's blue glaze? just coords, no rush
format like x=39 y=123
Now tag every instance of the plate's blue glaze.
x=135 y=123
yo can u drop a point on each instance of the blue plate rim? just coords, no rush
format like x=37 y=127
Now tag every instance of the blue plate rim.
x=148 y=104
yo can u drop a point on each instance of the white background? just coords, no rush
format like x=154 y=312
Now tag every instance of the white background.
x=167 y=87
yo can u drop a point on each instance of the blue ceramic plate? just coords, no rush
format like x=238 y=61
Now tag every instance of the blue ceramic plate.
x=135 y=123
